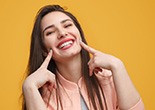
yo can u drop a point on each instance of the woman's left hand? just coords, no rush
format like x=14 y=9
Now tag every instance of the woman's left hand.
x=127 y=97
x=99 y=60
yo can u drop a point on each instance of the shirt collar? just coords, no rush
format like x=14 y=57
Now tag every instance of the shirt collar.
x=69 y=84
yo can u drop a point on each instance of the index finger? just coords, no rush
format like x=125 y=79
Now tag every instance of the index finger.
x=88 y=48
x=47 y=59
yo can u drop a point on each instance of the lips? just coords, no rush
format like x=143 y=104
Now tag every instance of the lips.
x=65 y=44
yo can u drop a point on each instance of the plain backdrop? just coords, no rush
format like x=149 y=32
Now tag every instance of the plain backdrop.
x=124 y=28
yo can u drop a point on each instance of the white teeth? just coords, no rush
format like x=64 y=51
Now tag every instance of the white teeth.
x=65 y=44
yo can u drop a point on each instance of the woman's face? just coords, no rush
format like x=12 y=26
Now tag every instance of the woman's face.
x=61 y=35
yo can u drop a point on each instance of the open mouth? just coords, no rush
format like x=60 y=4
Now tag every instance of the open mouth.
x=65 y=44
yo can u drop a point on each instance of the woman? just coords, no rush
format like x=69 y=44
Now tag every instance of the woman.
x=62 y=76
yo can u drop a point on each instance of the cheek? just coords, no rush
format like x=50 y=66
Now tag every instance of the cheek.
x=49 y=43
x=76 y=33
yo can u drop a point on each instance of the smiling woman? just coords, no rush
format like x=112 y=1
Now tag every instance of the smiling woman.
x=62 y=76
x=61 y=35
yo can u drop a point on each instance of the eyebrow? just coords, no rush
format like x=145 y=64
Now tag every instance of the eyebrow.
x=50 y=26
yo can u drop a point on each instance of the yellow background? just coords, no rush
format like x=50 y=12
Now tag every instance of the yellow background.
x=124 y=28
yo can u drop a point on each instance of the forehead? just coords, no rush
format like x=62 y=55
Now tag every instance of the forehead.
x=53 y=18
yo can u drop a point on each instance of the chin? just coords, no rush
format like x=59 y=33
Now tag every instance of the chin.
x=73 y=53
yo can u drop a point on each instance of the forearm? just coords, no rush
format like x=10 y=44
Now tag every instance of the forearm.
x=33 y=99
x=127 y=94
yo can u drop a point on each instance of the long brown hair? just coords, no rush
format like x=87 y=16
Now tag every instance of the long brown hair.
x=37 y=50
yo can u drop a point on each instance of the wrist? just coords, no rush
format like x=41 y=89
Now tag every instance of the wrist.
x=117 y=65
x=28 y=86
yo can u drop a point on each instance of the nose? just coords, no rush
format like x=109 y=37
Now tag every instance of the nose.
x=62 y=33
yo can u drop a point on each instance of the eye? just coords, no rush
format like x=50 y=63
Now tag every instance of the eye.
x=68 y=25
x=49 y=33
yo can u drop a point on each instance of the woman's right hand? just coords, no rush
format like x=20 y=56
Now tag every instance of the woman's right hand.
x=42 y=77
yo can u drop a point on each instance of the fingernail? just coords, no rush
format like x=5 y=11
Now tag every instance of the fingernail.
x=55 y=86
x=50 y=51
x=90 y=72
x=80 y=40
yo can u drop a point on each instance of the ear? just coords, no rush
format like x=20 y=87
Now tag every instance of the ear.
x=45 y=53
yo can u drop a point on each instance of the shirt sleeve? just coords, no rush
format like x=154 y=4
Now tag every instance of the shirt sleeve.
x=105 y=78
x=138 y=106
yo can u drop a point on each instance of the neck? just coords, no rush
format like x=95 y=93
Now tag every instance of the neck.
x=70 y=68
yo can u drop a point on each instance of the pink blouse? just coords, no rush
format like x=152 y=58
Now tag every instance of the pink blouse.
x=71 y=92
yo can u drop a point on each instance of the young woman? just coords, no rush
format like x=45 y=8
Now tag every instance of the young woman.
x=62 y=76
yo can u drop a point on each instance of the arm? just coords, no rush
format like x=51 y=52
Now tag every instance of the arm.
x=41 y=78
x=33 y=98
x=126 y=92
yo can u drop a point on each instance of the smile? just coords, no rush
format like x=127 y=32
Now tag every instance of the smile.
x=65 y=44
